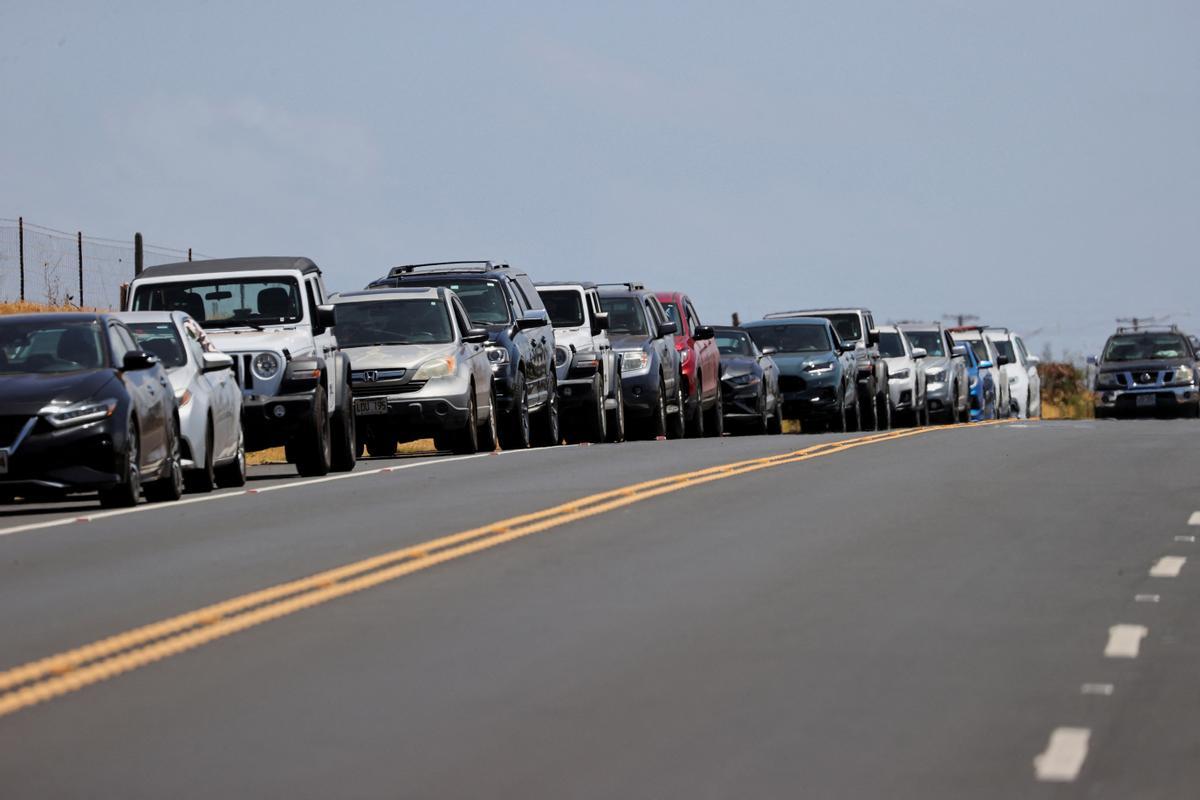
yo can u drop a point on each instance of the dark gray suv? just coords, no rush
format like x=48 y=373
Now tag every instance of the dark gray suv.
x=1147 y=371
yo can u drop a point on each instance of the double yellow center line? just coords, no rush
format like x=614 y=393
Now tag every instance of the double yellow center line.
x=56 y=675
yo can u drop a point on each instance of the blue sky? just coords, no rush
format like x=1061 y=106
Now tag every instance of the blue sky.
x=1036 y=164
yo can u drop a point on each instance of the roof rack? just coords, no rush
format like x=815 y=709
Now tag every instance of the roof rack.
x=446 y=266
x=1149 y=329
x=632 y=286
x=786 y=314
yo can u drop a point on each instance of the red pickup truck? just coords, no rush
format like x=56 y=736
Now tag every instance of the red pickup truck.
x=700 y=363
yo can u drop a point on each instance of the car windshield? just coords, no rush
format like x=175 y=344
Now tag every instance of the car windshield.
x=226 y=302
x=890 y=345
x=791 y=338
x=847 y=325
x=43 y=347
x=565 y=307
x=161 y=340
x=734 y=343
x=1145 y=347
x=391 y=322
x=930 y=341
x=625 y=315
x=979 y=349
x=483 y=298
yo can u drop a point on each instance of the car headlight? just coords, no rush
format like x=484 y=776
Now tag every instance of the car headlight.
x=935 y=374
x=819 y=367
x=684 y=355
x=1107 y=380
x=634 y=361
x=184 y=397
x=79 y=413
x=900 y=375
x=1184 y=374
x=560 y=356
x=745 y=379
x=265 y=366
x=497 y=356
x=437 y=368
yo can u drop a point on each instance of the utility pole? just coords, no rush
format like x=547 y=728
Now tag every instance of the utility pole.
x=961 y=319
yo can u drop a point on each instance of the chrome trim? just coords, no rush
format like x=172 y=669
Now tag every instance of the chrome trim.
x=12 y=448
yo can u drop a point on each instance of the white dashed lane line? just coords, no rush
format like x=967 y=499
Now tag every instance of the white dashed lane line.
x=1194 y=519
x=1168 y=567
x=1124 y=641
x=1104 y=689
x=1185 y=538
x=1064 y=755
x=1146 y=598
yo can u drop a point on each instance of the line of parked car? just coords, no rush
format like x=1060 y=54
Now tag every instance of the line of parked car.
x=211 y=359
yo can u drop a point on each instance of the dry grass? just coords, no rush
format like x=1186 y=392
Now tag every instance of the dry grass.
x=23 y=307
x=274 y=455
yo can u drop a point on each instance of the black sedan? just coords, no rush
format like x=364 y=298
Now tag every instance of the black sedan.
x=82 y=408
x=749 y=383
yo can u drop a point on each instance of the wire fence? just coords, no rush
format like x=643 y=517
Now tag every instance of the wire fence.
x=58 y=268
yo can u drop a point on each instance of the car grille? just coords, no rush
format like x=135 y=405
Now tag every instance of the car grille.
x=10 y=428
x=241 y=369
x=792 y=383
x=1145 y=378
x=384 y=389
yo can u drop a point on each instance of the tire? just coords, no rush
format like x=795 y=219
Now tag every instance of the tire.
x=128 y=492
x=883 y=412
x=546 y=431
x=169 y=487
x=598 y=424
x=839 y=422
x=775 y=427
x=344 y=438
x=381 y=441
x=517 y=432
x=489 y=436
x=658 y=419
x=764 y=419
x=715 y=424
x=694 y=421
x=466 y=441
x=233 y=474
x=204 y=479
x=616 y=417
x=675 y=425
x=312 y=450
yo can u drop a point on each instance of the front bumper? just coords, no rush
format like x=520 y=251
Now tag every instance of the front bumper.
x=271 y=421
x=640 y=393
x=808 y=395
x=438 y=405
x=58 y=461
x=1159 y=399
x=903 y=394
x=740 y=399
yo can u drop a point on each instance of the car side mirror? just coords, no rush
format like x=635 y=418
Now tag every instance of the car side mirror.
x=534 y=319
x=216 y=362
x=1033 y=361
x=1093 y=360
x=919 y=352
x=769 y=351
x=872 y=337
x=599 y=323
x=668 y=328
x=703 y=332
x=326 y=318
x=959 y=351
x=1002 y=360
x=135 y=360
x=475 y=335
x=986 y=365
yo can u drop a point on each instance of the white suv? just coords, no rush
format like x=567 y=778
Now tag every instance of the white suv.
x=1019 y=372
x=269 y=314
x=589 y=379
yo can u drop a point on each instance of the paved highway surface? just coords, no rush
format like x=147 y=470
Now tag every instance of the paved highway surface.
x=986 y=611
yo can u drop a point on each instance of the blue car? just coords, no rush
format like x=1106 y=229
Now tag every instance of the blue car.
x=979 y=377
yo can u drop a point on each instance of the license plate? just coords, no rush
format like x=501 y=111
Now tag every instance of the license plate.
x=3 y=462
x=1144 y=400
x=368 y=406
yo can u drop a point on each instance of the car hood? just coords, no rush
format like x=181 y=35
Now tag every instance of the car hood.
x=737 y=365
x=1144 y=366
x=26 y=393
x=625 y=341
x=297 y=341
x=898 y=363
x=393 y=356
x=580 y=338
x=794 y=363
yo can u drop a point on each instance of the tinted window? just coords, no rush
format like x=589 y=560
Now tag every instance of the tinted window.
x=847 y=325
x=791 y=338
x=33 y=346
x=931 y=341
x=980 y=349
x=161 y=340
x=624 y=315
x=565 y=307
x=732 y=343
x=1145 y=347
x=890 y=345
x=484 y=299
x=529 y=291
x=1004 y=348
x=227 y=302
x=672 y=312
x=383 y=322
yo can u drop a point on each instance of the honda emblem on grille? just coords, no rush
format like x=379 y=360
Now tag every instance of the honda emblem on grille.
x=371 y=375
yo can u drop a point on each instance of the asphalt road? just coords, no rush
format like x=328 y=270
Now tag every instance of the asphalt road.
x=924 y=617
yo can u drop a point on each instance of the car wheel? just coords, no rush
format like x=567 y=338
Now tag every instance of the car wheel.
x=381 y=441
x=764 y=418
x=598 y=424
x=548 y=432
x=616 y=417
x=675 y=426
x=715 y=424
x=694 y=420
x=776 y=425
x=517 y=431
x=311 y=450
x=489 y=438
x=883 y=412
x=128 y=492
x=466 y=441
x=658 y=418
x=344 y=443
x=233 y=474
x=169 y=487
x=205 y=478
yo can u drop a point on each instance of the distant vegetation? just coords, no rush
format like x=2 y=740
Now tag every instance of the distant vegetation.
x=1065 y=391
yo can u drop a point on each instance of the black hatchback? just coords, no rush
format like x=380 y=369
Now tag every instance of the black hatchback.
x=82 y=408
